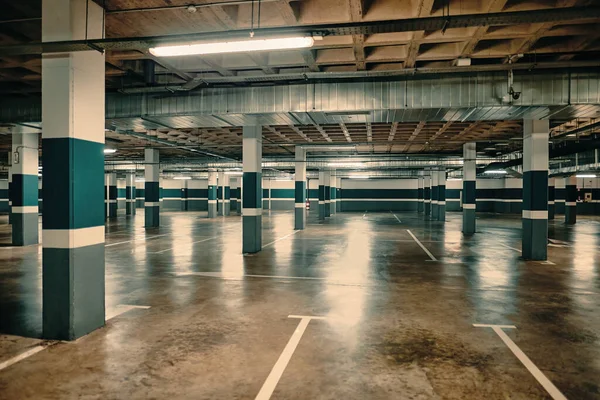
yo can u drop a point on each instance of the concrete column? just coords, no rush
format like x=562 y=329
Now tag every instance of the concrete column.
x=427 y=196
x=112 y=195
x=233 y=182
x=212 y=194
x=551 y=198
x=434 y=195
x=152 y=188
x=535 y=189
x=327 y=183
x=184 y=195
x=321 y=195
x=469 y=188
x=332 y=191
x=130 y=193
x=240 y=194
x=300 y=189
x=106 y=184
x=570 y=200
x=10 y=194
x=442 y=195
x=225 y=194
x=420 y=185
x=252 y=185
x=73 y=157
x=24 y=188
x=338 y=197
x=160 y=191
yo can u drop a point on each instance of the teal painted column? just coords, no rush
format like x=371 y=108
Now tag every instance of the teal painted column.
x=233 y=183
x=420 y=198
x=551 y=198
x=10 y=195
x=332 y=192
x=327 y=189
x=24 y=188
x=212 y=194
x=300 y=189
x=112 y=195
x=570 y=200
x=427 y=196
x=469 y=188
x=252 y=194
x=184 y=194
x=240 y=192
x=535 y=189
x=322 y=195
x=73 y=116
x=130 y=193
x=338 y=196
x=442 y=196
x=434 y=195
x=226 y=191
x=106 y=179
x=152 y=188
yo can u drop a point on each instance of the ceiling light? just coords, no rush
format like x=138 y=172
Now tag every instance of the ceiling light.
x=585 y=176
x=110 y=151
x=183 y=178
x=234 y=173
x=463 y=62
x=140 y=180
x=359 y=176
x=501 y=144
x=495 y=172
x=346 y=164
x=489 y=149
x=245 y=46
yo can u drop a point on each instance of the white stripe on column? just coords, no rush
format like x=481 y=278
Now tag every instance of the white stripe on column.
x=468 y=206
x=72 y=238
x=25 y=210
x=151 y=203
x=252 y=212
x=535 y=214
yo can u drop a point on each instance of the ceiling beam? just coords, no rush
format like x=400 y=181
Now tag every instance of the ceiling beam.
x=345 y=132
x=300 y=133
x=276 y=132
x=423 y=10
x=369 y=132
x=493 y=7
x=289 y=17
x=414 y=135
x=358 y=41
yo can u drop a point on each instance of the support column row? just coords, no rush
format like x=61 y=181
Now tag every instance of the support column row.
x=24 y=189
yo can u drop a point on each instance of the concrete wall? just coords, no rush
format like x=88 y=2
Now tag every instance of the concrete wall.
x=379 y=194
x=278 y=195
x=198 y=195
x=121 y=193
x=171 y=194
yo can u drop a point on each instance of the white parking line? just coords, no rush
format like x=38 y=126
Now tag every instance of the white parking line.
x=273 y=379
x=236 y=276
x=395 y=216
x=281 y=238
x=133 y=240
x=531 y=367
x=22 y=356
x=122 y=309
x=547 y=262
x=422 y=246
x=181 y=244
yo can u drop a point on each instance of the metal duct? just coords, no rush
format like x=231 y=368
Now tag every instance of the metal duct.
x=353 y=28
x=560 y=95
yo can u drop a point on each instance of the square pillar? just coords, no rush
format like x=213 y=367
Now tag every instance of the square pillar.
x=469 y=188
x=300 y=189
x=327 y=197
x=73 y=176
x=442 y=196
x=106 y=184
x=10 y=196
x=551 y=198
x=252 y=185
x=130 y=193
x=338 y=196
x=332 y=192
x=434 y=195
x=184 y=195
x=535 y=189
x=321 y=195
x=240 y=193
x=112 y=195
x=152 y=188
x=212 y=194
x=427 y=196
x=24 y=188
x=226 y=191
x=420 y=185
x=570 y=200
x=233 y=182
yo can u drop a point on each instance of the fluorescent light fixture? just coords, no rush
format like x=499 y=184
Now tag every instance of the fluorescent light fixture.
x=283 y=179
x=298 y=42
x=346 y=164
x=110 y=151
x=501 y=144
x=463 y=62
x=359 y=176
x=234 y=173
x=495 y=172
x=183 y=178
x=489 y=149
x=585 y=176
x=140 y=180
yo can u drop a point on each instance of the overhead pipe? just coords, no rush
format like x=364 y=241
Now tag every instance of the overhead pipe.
x=353 y=28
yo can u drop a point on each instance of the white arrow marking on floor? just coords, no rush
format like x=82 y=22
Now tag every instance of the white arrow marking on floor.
x=269 y=386
x=531 y=367
x=422 y=246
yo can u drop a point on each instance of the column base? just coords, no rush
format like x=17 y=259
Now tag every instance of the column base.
x=469 y=224
x=112 y=210
x=299 y=218
x=427 y=210
x=551 y=211
x=25 y=229
x=212 y=210
x=570 y=215
x=434 y=212
x=535 y=239
x=442 y=213
x=73 y=291
x=251 y=234
x=322 y=212
x=152 y=216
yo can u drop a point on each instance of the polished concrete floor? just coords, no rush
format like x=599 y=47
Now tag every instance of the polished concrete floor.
x=398 y=320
